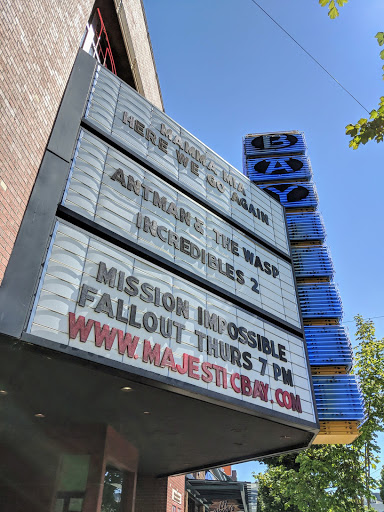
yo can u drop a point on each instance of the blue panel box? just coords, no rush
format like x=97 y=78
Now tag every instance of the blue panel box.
x=278 y=168
x=320 y=301
x=260 y=144
x=328 y=346
x=313 y=261
x=305 y=227
x=338 y=397
x=293 y=195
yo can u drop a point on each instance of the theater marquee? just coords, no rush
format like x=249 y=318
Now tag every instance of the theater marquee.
x=155 y=266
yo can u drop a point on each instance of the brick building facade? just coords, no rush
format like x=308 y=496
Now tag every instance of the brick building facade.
x=42 y=40
x=42 y=43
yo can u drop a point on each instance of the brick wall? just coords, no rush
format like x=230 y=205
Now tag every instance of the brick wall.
x=40 y=39
x=140 y=52
x=155 y=494
x=151 y=494
x=176 y=483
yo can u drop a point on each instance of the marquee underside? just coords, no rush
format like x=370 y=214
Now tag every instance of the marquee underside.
x=166 y=427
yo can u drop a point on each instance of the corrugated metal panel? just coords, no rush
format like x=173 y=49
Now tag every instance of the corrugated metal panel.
x=293 y=195
x=305 y=226
x=260 y=144
x=328 y=346
x=338 y=397
x=320 y=300
x=312 y=261
x=277 y=168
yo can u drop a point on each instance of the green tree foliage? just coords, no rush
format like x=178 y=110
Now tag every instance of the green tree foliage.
x=365 y=129
x=333 y=11
x=373 y=129
x=369 y=367
x=336 y=478
x=381 y=484
x=323 y=479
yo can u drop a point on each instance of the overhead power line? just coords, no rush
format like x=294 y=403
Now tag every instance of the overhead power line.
x=376 y=471
x=369 y=318
x=309 y=54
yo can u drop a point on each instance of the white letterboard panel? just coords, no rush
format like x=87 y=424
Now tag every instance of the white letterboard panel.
x=115 y=192
x=104 y=301
x=120 y=112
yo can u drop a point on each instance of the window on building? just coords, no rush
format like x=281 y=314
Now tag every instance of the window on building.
x=113 y=486
x=96 y=42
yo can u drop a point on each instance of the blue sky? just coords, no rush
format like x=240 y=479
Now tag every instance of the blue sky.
x=226 y=70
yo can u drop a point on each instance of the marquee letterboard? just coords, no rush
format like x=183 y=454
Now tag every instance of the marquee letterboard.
x=124 y=197
x=105 y=301
x=136 y=125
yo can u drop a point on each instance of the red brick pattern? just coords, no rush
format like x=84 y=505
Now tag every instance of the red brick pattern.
x=40 y=39
x=155 y=494
x=176 y=483
x=151 y=494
